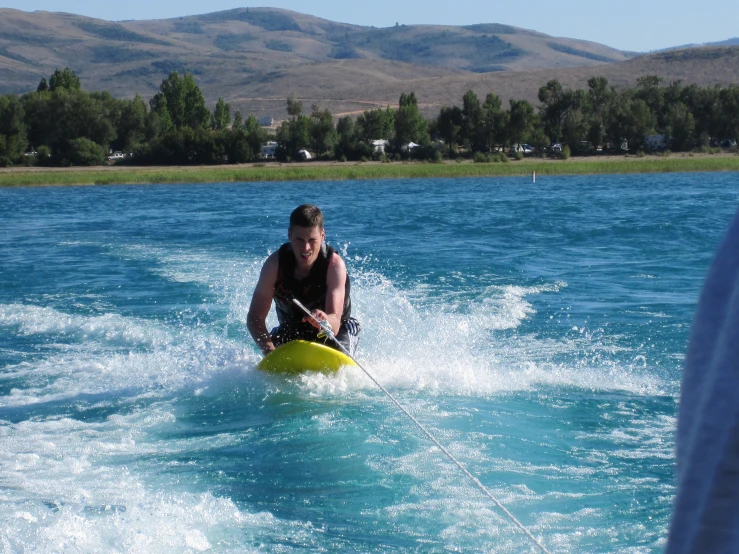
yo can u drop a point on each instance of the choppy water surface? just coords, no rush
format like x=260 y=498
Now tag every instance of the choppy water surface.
x=537 y=330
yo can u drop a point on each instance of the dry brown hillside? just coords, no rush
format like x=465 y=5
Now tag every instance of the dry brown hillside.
x=353 y=89
x=248 y=45
x=255 y=57
x=702 y=66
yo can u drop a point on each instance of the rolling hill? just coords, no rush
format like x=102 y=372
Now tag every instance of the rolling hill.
x=702 y=66
x=255 y=57
x=252 y=44
x=727 y=42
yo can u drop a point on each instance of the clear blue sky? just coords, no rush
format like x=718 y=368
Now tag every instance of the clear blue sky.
x=639 y=25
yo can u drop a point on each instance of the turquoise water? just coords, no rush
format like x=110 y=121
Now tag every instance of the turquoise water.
x=537 y=330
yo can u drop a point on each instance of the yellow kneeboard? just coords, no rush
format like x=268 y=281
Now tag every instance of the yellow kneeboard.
x=299 y=356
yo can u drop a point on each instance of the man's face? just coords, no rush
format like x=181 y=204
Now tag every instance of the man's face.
x=306 y=243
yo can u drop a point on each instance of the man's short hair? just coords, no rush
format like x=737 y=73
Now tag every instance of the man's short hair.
x=306 y=215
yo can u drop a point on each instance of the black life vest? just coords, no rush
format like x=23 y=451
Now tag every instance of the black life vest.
x=310 y=291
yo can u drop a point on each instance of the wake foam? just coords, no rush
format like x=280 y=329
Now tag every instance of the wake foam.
x=72 y=489
x=67 y=497
x=113 y=329
x=474 y=347
x=110 y=356
x=435 y=341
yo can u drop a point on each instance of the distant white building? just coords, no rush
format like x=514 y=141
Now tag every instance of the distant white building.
x=410 y=147
x=379 y=145
x=268 y=150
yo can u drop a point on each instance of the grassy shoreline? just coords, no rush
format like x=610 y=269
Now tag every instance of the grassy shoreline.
x=328 y=171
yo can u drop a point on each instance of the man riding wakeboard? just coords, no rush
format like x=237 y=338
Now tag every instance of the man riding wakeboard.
x=306 y=269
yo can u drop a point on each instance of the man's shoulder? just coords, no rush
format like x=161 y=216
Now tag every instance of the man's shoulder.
x=273 y=260
x=336 y=263
x=335 y=258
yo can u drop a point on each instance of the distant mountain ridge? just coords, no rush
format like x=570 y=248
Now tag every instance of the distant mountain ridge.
x=727 y=42
x=257 y=41
x=255 y=57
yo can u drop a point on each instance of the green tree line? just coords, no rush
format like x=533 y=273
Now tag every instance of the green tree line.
x=598 y=117
x=66 y=125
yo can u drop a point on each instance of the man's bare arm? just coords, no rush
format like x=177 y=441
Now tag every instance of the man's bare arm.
x=261 y=302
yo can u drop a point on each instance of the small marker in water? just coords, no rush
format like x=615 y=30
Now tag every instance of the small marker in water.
x=533 y=176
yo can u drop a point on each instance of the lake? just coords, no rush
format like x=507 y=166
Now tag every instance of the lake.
x=537 y=330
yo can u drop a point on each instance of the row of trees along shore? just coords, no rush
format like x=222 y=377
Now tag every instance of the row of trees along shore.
x=65 y=125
